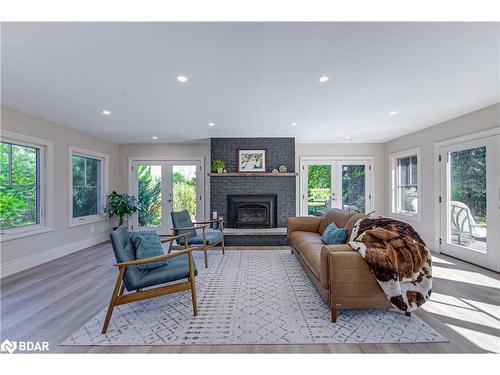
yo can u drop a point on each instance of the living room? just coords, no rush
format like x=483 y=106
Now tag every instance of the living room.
x=250 y=187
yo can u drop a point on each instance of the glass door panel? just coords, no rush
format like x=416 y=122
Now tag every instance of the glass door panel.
x=149 y=193
x=354 y=187
x=319 y=189
x=184 y=186
x=467 y=191
x=470 y=197
x=165 y=186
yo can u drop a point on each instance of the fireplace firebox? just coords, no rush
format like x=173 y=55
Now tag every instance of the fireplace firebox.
x=252 y=210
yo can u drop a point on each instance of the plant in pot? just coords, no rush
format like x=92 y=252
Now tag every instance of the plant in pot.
x=218 y=166
x=122 y=205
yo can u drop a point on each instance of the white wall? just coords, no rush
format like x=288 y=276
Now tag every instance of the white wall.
x=165 y=150
x=18 y=254
x=375 y=150
x=483 y=119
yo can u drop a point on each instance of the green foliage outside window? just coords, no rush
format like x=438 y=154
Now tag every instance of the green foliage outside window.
x=468 y=180
x=18 y=185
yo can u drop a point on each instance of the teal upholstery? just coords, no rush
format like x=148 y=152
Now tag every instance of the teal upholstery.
x=147 y=245
x=211 y=237
x=334 y=235
x=176 y=269
x=182 y=219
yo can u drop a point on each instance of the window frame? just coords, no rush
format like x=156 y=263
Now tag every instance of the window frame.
x=104 y=178
x=395 y=196
x=46 y=185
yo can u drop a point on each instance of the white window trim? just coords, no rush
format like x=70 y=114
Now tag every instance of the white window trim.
x=46 y=186
x=393 y=181
x=73 y=222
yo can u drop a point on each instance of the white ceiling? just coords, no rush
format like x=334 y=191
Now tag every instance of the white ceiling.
x=251 y=79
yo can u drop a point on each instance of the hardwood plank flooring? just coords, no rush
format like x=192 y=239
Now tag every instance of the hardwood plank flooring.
x=51 y=301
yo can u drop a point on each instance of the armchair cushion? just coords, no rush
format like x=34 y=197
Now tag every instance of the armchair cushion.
x=147 y=245
x=182 y=219
x=211 y=237
x=125 y=252
x=177 y=269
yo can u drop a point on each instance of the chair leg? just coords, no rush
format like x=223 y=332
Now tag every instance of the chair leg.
x=407 y=313
x=205 y=250
x=169 y=248
x=122 y=289
x=334 y=314
x=193 y=287
x=222 y=244
x=111 y=306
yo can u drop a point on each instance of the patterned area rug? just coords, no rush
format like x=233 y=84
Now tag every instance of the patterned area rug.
x=250 y=297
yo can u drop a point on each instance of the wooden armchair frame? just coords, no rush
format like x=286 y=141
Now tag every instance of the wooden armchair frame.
x=118 y=298
x=201 y=225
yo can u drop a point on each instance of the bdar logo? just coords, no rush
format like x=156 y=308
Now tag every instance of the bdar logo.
x=8 y=346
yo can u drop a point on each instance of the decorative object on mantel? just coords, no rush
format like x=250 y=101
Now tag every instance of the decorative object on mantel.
x=217 y=166
x=282 y=169
x=251 y=161
x=122 y=205
x=275 y=171
x=224 y=171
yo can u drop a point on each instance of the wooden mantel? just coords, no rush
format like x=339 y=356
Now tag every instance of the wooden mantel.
x=253 y=174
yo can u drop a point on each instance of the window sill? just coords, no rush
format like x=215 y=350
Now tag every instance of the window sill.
x=401 y=215
x=88 y=220
x=16 y=234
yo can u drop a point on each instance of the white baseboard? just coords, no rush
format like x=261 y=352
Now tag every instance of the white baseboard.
x=30 y=261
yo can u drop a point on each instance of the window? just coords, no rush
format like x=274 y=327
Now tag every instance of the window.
x=406 y=183
x=23 y=185
x=88 y=182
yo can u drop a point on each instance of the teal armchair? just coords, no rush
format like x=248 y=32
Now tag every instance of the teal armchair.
x=180 y=266
x=197 y=235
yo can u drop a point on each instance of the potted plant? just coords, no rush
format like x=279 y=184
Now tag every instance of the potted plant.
x=218 y=166
x=122 y=205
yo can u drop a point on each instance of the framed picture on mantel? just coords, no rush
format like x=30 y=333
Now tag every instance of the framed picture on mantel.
x=251 y=160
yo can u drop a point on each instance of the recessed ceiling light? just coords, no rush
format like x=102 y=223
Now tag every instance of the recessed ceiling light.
x=347 y=137
x=323 y=79
x=105 y=112
x=182 y=79
x=294 y=124
x=155 y=137
x=393 y=113
x=211 y=124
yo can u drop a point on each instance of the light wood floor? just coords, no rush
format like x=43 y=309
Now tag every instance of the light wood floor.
x=51 y=301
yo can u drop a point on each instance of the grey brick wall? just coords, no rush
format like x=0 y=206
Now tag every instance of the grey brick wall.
x=278 y=151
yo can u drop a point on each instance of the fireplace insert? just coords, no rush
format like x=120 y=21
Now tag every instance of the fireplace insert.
x=252 y=211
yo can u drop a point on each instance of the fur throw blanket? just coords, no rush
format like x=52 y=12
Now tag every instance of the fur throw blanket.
x=397 y=257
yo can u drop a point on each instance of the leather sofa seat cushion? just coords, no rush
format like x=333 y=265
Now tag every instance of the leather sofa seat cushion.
x=299 y=238
x=311 y=253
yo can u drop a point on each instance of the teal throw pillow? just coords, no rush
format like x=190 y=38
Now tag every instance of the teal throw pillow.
x=334 y=235
x=147 y=244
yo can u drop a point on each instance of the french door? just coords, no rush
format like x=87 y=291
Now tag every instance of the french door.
x=163 y=186
x=327 y=183
x=470 y=201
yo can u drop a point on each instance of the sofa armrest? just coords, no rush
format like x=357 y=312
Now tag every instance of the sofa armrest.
x=304 y=223
x=326 y=251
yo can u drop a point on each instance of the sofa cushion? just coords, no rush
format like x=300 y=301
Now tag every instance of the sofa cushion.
x=334 y=235
x=299 y=238
x=311 y=253
x=334 y=215
x=147 y=245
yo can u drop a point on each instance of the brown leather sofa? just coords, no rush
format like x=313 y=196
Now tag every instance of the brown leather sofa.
x=340 y=274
